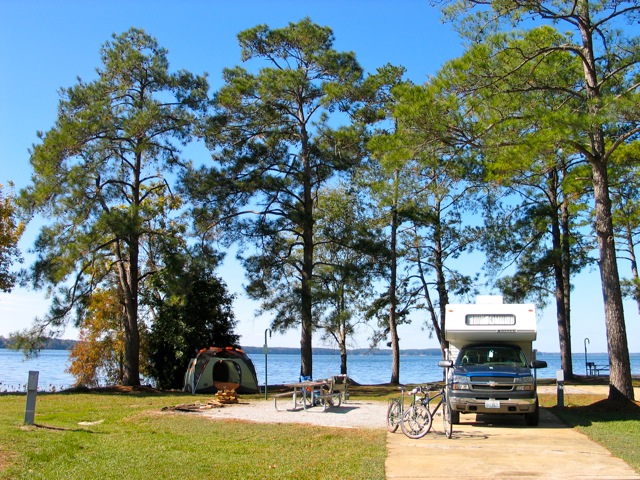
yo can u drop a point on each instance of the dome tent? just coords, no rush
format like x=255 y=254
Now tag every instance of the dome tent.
x=217 y=368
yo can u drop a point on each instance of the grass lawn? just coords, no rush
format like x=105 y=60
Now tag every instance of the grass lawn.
x=126 y=436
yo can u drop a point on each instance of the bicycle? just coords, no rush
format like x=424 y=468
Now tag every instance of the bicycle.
x=418 y=418
x=395 y=411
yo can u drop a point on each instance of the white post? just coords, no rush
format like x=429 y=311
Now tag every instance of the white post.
x=560 y=387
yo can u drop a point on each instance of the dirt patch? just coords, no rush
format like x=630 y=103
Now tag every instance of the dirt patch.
x=6 y=459
x=194 y=407
x=353 y=414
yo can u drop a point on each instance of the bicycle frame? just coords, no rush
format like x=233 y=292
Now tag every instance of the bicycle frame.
x=442 y=398
x=446 y=409
x=417 y=419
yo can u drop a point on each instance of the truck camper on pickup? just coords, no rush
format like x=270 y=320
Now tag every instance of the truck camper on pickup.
x=491 y=358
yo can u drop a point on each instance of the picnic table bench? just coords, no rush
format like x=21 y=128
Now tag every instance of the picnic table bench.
x=595 y=370
x=283 y=395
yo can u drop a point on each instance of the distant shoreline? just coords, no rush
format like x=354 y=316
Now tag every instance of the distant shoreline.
x=63 y=344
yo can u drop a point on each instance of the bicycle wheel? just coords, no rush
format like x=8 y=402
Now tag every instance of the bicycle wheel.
x=394 y=415
x=416 y=421
x=446 y=417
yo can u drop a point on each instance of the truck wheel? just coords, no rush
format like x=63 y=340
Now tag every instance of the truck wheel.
x=455 y=418
x=532 y=419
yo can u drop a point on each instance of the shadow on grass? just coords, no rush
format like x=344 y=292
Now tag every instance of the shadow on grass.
x=66 y=429
x=601 y=411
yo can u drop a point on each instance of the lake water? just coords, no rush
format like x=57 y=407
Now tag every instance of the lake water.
x=364 y=369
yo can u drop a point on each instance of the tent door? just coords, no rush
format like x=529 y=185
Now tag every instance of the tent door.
x=226 y=371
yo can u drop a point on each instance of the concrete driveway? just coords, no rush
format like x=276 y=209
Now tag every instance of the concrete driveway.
x=501 y=447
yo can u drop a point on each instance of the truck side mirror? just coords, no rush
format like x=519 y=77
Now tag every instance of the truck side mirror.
x=449 y=363
x=538 y=364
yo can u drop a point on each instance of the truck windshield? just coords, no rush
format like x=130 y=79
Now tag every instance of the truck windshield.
x=492 y=355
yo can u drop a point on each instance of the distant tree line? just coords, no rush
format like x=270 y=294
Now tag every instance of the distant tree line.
x=48 y=344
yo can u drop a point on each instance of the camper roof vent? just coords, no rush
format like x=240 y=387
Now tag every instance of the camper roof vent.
x=489 y=299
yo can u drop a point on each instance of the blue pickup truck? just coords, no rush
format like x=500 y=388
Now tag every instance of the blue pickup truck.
x=494 y=378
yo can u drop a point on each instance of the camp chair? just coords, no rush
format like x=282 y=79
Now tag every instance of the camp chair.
x=336 y=391
x=308 y=391
x=304 y=378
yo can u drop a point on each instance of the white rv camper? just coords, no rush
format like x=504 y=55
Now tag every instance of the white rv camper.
x=491 y=355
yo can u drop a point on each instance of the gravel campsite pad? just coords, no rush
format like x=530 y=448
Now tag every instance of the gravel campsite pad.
x=353 y=414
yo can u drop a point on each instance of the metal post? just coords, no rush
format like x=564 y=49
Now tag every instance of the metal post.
x=32 y=391
x=266 y=352
x=586 y=363
x=560 y=385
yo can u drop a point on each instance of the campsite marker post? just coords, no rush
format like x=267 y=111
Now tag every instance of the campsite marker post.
x=560 y=387
x=32 y=392
x=266 y=352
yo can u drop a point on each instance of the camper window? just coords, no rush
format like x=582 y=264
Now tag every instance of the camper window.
x=484 y=319
x=492 y=355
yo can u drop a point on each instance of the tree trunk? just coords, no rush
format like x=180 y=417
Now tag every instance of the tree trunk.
x=443 y=292
x=620 y=385
x=128 y=273
x=131 y=375
x=343 y=335
x=558 y=271
x=343 y=359
x=393 y=300
x=306 y=351
x=566 y=276
x=437 y=322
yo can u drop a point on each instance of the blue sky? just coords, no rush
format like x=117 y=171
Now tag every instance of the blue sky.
x=46 y=45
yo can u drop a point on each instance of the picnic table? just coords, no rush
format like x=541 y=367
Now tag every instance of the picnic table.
x=303 y=393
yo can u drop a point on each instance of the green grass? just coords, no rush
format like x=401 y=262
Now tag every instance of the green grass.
x=136 y=440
